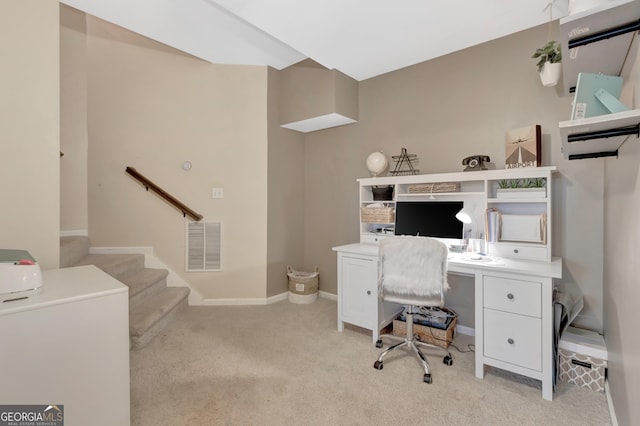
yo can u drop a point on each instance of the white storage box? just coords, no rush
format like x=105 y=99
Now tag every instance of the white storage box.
x=583 y=358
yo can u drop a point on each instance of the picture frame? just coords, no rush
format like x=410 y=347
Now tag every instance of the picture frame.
x=523 y=147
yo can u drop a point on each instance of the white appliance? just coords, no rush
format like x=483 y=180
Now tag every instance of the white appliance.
x=69 y=345
x=20 y=275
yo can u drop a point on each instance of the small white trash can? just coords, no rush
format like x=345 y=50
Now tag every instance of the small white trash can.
x=303 y=286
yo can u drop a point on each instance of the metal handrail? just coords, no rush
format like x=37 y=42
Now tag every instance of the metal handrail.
x=162 y=193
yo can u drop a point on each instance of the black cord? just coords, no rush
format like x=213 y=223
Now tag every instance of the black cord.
x=471 y=346
x=424 y=311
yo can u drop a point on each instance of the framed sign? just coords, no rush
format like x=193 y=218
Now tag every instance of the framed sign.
x=523 y=147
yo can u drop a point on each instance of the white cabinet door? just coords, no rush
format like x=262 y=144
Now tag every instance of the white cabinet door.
x=359 y=297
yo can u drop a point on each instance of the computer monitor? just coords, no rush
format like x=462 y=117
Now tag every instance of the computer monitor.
x=429 y=219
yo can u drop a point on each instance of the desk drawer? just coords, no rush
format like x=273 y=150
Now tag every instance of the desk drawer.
x=373 y=238
x=510 y=295
x=516 y=251
x=511 y=338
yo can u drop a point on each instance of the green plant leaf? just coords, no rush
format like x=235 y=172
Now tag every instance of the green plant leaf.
x=550 y=52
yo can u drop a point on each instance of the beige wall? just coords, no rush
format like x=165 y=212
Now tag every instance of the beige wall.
x=443 y=110
x=622 y=251
x=285 y=229
x=310 y=90
x=152 y=108
x=73 y=121
x=159 y=135
x=29 y=128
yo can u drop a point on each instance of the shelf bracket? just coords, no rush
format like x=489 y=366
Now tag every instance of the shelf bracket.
x=603 y=35
x=600 y=134
x=593 y=155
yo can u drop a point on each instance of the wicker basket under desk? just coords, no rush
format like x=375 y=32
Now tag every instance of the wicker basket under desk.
x=377 y=214
x=435 y=188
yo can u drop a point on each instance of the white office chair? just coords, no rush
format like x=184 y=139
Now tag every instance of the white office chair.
x=413 y=272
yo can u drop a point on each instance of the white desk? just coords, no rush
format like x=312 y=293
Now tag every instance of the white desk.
x=513 y=307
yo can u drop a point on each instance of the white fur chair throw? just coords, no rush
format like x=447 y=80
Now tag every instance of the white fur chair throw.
x=413 y=266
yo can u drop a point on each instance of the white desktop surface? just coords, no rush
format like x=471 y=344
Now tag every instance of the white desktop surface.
x=67 y=285
x=461 y=263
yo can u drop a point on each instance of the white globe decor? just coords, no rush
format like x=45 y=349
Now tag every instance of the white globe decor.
x=377 y=163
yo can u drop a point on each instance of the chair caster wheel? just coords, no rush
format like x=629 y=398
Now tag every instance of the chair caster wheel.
x=448 y=360
x=379 y=343
x=377 y=365
x=427 y=378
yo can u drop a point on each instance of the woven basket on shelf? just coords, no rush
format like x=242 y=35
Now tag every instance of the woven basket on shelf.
x=377 y=214
x=435 y=188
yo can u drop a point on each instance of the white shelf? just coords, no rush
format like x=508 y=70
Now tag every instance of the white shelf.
x=462 y=177
x=606 y=56
x=517 y=200
x=580 y=137
x=478 y=191
x=437 y=194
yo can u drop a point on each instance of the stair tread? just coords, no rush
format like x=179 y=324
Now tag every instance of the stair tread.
x=155 y=308
x=112 y=262
x=151 y=303
x=143 y=279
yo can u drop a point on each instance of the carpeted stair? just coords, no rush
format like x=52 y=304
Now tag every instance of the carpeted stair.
x=151 y=303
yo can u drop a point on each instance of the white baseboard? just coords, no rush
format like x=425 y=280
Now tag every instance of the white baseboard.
x=236 y=302
x=612 y=410
x=467 y=331
x=258 y=301
x=278 y=298
x=329 y=296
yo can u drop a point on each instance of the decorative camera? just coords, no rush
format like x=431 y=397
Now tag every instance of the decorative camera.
x=475 y=162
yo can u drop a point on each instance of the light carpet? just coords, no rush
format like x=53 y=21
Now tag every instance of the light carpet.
x=286 y=364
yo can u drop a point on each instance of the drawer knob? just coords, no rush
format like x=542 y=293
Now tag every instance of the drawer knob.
x=515 y=251
x=369 y=292
x=510 y=341
x=510 y=296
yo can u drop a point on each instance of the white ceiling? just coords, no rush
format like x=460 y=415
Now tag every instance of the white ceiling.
x=361 y=38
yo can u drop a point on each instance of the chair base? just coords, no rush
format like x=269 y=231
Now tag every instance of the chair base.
x=412 y=343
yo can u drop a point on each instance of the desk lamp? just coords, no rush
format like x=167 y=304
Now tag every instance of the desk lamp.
x=464 y=215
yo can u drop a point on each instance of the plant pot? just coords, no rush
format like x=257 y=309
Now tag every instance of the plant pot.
x=521 y=193
x=550 y=74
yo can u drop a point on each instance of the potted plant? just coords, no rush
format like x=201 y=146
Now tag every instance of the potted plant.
x=522 y=188
x=549 y=57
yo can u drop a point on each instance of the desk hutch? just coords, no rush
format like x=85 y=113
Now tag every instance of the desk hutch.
x=513 y=284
